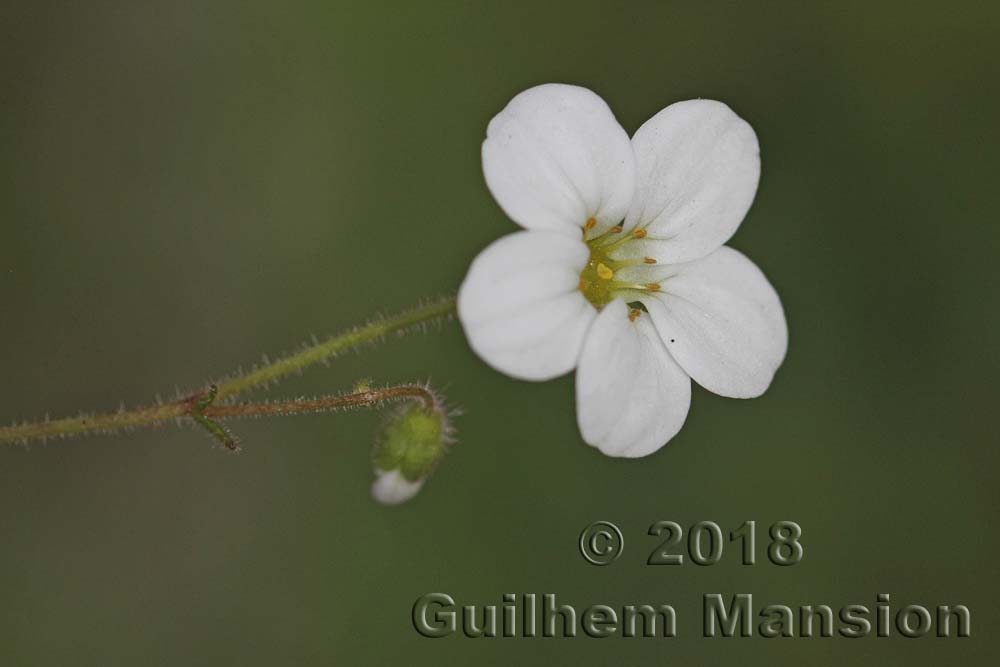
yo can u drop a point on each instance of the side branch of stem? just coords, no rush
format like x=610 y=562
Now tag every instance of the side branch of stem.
x=363 y=399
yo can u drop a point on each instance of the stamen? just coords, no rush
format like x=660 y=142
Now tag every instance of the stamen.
x=622 y=263
x=604 y=236
x=604 y=272
x=633 y=314
x=584 y=284
x=635 y=234
x=591 y=223
x=640 y=287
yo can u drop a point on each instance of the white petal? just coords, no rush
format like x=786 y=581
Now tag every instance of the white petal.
x=555 y=157
x=391 y=488
x=722 y=321
x=698 y=164
x=631 y=396
x=521 y=306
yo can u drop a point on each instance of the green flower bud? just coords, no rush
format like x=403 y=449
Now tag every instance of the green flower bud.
x=411 y=444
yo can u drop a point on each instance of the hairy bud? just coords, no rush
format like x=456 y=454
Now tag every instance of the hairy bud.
x=411 y=444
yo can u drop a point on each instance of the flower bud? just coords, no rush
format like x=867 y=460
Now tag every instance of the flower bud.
x=412 y=442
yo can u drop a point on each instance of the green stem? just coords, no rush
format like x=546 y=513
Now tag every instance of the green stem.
x=271 y=372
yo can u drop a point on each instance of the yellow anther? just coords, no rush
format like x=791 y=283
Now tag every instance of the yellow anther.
x=584 y=284
x=634 y=313
x=649 y=260
x=653 y=287
x=639 y=233
x=617 y=229
x=591 y=223
x=604 y=272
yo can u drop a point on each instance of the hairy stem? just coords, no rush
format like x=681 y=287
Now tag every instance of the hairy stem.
x=331 y=347
x=362 y=399
x=196 y=406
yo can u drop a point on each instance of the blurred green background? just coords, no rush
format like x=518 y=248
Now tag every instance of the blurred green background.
x=189 y=185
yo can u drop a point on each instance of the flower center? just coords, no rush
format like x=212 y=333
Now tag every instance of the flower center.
x=597 y=280
x=596 y=277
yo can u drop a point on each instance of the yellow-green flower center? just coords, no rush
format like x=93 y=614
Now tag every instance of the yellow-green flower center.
x=597 y=280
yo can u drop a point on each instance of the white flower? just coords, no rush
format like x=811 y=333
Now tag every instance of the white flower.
x=621 y=272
